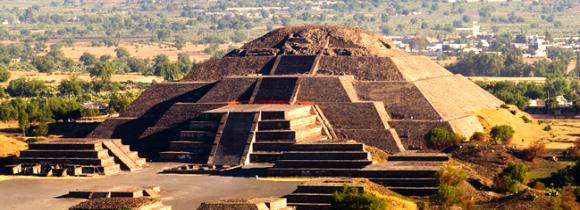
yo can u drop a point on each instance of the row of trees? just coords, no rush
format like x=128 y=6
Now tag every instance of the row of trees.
x=520 y=93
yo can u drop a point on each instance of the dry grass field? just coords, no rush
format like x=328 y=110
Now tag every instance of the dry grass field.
x=511 y=79
x=55 y=78
x=196 y=52
x=525 y=133
x=10 y=146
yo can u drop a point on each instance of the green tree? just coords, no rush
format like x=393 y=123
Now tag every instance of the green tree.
x=118 y=102
x=88 y=59
x=23 y=87
x=103 y=70
x=122 y=53
x=4 y=74
x=73 y=87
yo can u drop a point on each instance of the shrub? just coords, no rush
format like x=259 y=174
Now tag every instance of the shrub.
x=573 y=153
x=504 y=106
x=526 y=119
x=479 y=136
x=548 y=128
x=451 y=176
x=501 y=133
x=534 y=151
x=539 y=185
x=447 y=195
x=514 y=112
x=40 y=129
x=351 y=199
x=510 y=178
x=439 y=138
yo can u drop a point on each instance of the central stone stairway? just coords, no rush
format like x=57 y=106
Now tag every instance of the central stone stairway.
x=195 y=143
x=322 y=159
x=278 y=131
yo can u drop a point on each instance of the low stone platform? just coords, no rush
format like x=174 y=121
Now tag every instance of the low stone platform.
x=247 y=204
x=76 y=157
x=121 y=203
x=199 y=169
x=317 y=194
x=116 y=192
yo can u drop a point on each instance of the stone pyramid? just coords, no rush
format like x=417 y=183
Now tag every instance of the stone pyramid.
x=364 y=89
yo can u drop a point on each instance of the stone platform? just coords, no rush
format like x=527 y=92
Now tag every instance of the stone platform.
x=70 y=156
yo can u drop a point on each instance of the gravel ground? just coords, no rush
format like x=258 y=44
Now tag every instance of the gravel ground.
x=179 y=191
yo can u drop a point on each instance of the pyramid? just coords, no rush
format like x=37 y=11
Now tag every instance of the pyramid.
x=358 y=85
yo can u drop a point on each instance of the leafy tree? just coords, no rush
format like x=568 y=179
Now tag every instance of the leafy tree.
x=184 y=62
x=171 y=71
x=73 y=87
x=88 y=59
x=23 y=87
x=103 y=70
x=4 y=74
x=158 y=62
x=44 y=63
x=118 y=102
x=122 y=53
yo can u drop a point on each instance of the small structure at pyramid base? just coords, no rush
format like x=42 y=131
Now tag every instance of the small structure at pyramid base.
x=76 y=157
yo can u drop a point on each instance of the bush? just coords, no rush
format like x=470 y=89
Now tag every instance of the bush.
x=514 y=112
x=502 y=133
x=526 y=119
x=439 y=138
x=447 y=195
x=539 y=185
x=451 y=176
x=40 y=129
x=351 y=199
x=510 y=178
x=504 y=106
x=548 y=128
x=534 y=151
x=479 y=136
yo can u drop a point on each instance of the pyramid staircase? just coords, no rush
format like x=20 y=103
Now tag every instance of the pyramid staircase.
x=317 y=195
x=322 y=159
x=278 y=130
x=195 y=143
x=90 y=156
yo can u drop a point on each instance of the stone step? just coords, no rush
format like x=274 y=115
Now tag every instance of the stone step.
x=67 y=161
x=310 y=206
x=190 y=146
x=307 y=132
x=65 y=146
x=418 y=157
x=398 y=173
x=328 y=147
x=103 y=170
x=127 y=160
x=203 y=125
x=287 y=115
x=65 y=153
x=325 y=189
x=407 y=182
x=415 y=191
x=265 y=157
x=326 y=155
x=314 y=172
x=272 y=145
x=206 y=136
x=293 y=124
x=283 y=163
x=182 y=156
x=309 y=198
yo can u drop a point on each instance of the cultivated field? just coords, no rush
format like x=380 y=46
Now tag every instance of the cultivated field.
x=139 y=50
